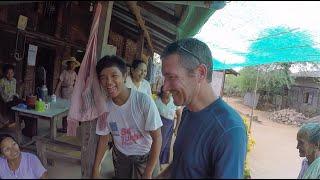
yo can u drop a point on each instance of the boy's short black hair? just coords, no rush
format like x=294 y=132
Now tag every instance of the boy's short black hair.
x=111 y=61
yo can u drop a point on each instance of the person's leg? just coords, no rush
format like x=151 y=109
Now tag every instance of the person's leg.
x=167 y=132
x=140 y=163
x=123 y=166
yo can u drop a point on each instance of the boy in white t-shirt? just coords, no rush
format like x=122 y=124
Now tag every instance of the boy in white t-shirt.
x=133 y=121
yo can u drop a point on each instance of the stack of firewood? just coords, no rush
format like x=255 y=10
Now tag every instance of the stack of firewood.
x=288 y=116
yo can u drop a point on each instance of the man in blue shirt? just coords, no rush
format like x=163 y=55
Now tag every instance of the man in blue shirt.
x=211 y=140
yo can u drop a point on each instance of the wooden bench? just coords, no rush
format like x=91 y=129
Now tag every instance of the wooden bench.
x=44 y=152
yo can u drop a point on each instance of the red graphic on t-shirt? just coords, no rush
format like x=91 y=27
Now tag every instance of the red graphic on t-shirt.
x=129 y=136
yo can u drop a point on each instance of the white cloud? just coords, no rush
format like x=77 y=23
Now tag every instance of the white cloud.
x=226 y=57
x=232 y=28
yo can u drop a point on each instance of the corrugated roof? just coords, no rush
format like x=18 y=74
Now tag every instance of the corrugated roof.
x=313 y=74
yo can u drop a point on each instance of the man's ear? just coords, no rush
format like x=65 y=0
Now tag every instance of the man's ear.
x=202 y=72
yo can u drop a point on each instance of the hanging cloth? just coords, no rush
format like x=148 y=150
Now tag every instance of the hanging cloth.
x=87 y=100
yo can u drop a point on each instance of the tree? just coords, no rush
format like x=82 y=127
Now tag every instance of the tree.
x=272 y=79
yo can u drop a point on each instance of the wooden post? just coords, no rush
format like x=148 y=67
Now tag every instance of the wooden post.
x=140 y=45
x=223 y=81
x=18 y=127
x=88 y=129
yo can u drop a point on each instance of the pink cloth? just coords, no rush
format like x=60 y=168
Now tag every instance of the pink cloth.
x=87 y=101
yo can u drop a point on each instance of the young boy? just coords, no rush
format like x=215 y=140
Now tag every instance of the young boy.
x=133 y=121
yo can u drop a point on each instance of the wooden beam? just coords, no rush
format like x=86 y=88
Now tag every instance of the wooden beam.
x=165 y=7
x=153 y=19
x=121 y=14
x=159 y=40
x=15 y=2
x=203 y=4
x=136 y=11
x=158 y=12
x=167 y=34
x=50 y=40
x=124 y=29
x=168 y=26
x=159 y=35
x=130 y=26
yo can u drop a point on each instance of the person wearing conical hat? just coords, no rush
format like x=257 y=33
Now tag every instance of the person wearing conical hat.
x=66 y=83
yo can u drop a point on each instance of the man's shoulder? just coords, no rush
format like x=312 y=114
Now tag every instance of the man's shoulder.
x=223 y=111
x=220 y=116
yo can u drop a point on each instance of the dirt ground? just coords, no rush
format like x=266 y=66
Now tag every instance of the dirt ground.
x=274 y=154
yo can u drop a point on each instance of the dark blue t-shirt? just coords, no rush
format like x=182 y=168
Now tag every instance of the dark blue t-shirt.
x=211 y=143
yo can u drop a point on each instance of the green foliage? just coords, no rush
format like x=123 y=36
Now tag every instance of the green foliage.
x=272 y=78
x=250 y=145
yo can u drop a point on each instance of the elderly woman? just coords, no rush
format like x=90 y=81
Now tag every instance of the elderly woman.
x=309 y=146
x=168 y=112
x=15 y=164
x=66 y=83
x=302 y=138
x=136 y=79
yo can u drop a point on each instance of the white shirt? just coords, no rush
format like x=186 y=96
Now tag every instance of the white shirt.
x=166 y=110
x=144 y=86
x=129 y=123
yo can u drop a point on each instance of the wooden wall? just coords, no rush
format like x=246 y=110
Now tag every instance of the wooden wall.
x=126 y=47
x=63 y=31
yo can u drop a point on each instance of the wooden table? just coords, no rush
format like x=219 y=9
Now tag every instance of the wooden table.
x=57 y=111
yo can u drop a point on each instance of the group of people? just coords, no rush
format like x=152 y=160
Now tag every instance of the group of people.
x=211 y=139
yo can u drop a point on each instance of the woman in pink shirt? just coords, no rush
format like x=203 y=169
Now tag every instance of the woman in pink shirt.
x=15 y=164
